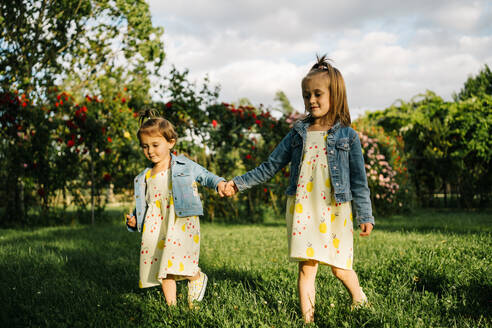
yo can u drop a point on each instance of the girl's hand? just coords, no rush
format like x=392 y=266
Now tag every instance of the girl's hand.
x=230 y=189
x=131 y=221
x=221 y=188
x=366 y=229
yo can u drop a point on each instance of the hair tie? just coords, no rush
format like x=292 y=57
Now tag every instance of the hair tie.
x=147 y=114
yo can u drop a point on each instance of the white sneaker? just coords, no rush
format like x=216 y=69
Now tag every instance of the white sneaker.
x=196 y=289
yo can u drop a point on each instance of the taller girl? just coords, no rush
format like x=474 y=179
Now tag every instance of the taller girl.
x=327 y=172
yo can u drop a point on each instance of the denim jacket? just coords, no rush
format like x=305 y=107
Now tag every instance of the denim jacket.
x=184 y=172
x=345 y=161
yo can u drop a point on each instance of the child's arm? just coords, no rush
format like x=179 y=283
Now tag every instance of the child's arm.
x=280 y=156
x=359 y=188
x=207 y=178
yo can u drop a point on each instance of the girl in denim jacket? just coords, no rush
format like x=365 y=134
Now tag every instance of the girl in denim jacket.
x=167 y=210
x=327 y=173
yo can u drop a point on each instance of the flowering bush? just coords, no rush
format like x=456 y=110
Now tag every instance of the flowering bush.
x=386 y=171
x=60 y=145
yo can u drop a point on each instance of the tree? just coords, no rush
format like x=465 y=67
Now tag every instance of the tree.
x=98 y=47
x=39 y=39
x=476 y=86
x=34 y=37
x=285 y=105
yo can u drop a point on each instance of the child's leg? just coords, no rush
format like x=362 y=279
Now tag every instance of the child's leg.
x=195 y=277
x=307 y=289
x=169 y=289
x=350 y=281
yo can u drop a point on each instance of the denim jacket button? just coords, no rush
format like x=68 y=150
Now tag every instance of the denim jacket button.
x=331 y=151
x=336 y=183
x=334 y=167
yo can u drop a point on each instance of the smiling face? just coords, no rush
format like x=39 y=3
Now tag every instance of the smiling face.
x=157 y=149
x=316 y=96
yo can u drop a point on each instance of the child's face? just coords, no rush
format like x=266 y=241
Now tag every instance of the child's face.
x=316 y=96
x=156 y=148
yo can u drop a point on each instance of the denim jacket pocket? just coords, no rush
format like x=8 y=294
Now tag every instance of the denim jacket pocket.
x=183 y=186
x=343 y=144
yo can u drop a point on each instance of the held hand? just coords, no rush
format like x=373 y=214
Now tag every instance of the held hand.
x=366 y=229
x=221 y=186
x=231 y=189
x=131 y=221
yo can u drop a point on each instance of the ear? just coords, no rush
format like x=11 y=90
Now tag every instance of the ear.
x=172 y=142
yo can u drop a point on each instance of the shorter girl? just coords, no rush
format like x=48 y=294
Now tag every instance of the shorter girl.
x=327 y=173
x=167 y=209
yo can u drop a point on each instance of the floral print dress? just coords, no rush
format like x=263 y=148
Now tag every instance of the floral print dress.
x=170 y=244
x=317 y=227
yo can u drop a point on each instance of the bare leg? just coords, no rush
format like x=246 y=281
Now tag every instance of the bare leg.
x=307 y=289
x=169 y=289
x=195 y=277
x=350 y=281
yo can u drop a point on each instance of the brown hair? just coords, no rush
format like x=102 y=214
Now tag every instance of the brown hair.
x=339 y=110
x=151 y=124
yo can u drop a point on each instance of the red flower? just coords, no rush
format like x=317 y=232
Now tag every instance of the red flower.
x=248 y=156
x=265 y=189
x=107 y=177
x=135 y=114
x=123 y=100
x=70 y=143
x=103 y=129
x=214 y=123
x=57 y=104
x=84 y=109
x=58 y=97
x=258 y=122
x=109 y=139
x=24 y=104
x=89 y=99
x=169 y=105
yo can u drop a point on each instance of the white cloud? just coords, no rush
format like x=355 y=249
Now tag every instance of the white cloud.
x=385 y=51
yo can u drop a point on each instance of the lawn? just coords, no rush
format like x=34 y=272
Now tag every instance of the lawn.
x=430 y=269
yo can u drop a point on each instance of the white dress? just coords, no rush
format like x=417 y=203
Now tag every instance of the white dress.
x=170 y=244
x=317 y=227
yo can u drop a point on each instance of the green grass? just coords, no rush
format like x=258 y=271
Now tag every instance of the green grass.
x=430 y=269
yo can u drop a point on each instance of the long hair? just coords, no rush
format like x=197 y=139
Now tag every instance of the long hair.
x=339 y=110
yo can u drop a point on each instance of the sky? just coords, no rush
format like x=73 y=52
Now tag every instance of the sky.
x=386 y=50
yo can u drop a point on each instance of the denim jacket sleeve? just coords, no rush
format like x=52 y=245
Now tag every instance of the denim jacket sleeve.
x=204 y=176
x=358 y=183
x=280 y=156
